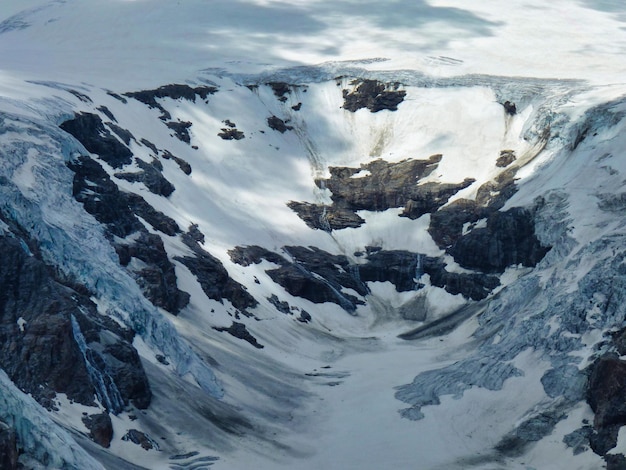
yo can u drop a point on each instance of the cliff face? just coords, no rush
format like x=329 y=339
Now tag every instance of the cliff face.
x=352 y=238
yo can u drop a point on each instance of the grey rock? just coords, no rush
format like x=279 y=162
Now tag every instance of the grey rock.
x=101 y=197
x=174 y=92
x=89 y=130
x=151 y=176
x=213 y=276
x=239 y=330
x=181 y=130
x=278 y=124
x=141 y=439
x=100 y=428
x=8 y=448
x=373 y=95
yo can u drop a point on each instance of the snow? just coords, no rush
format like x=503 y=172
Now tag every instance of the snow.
x=440 y=37
x=457 y=62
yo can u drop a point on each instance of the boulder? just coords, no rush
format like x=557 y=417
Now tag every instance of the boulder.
x=100 y=428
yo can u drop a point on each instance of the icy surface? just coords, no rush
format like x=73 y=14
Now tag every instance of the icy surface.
x=335 y=392
x=44 y=441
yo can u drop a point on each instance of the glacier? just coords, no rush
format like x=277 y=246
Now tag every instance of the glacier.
x=376 y=350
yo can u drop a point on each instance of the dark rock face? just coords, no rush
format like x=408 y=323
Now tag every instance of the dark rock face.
x=230 y=133
x=280 y=89
x=510 y=108
x=107 y=112
x=150 y=145
x=174 y=92
x=403 y=268
x=141 y=439
x=607 y=391
x=531 y=430
x=245 y=256
x=157 y=277
x=212 y=276
x=100 y=429
x=156 y=219
x=615 y=462
x=123 y=134
x=305 y=317
x=446 y=224
x=388 y=185
x=151 y=176
x=53 y=340
x=43 y=351
x=606 y=395
x=373 y=95
x=88 y=130
x=508 y=239
x=327 y=218
x=181 y=130
x=116 y=210
x=281 y=305
x=313 y=274
x=278 y=124
x=239 y=330
x=101 y=197
x=182 y=164
x=319 y=276
x=8 y=448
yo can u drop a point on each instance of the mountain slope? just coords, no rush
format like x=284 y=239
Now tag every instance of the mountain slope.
x=336 y=265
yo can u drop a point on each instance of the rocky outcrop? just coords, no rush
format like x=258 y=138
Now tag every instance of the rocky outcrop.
x=239 y=330
x=506 y=158
x=212 y=275
x=182 y=163
x=52 y=340
x=606 y=395
x=403 y=269
x=327 y=218
x=312 y=274
x=181 y=130
x=280 y=89
x=510 y=108
x=122 y=133
x=277 y=124
x=504 y=238
x=174 y=92
x=141 y=439
x=155 y=273
x=100 y=428
x=8 y=448
x=230 y=132
x=320 y=277
x=89 y=130
x=382 y=186
x=373 y=95
x=615 y=462
x=507 y=239
x=159 y=221
x=151 y=176
x=281 y=305
x=117 y=211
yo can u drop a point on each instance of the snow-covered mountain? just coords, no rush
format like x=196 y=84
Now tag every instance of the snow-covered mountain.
x=262 y=234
